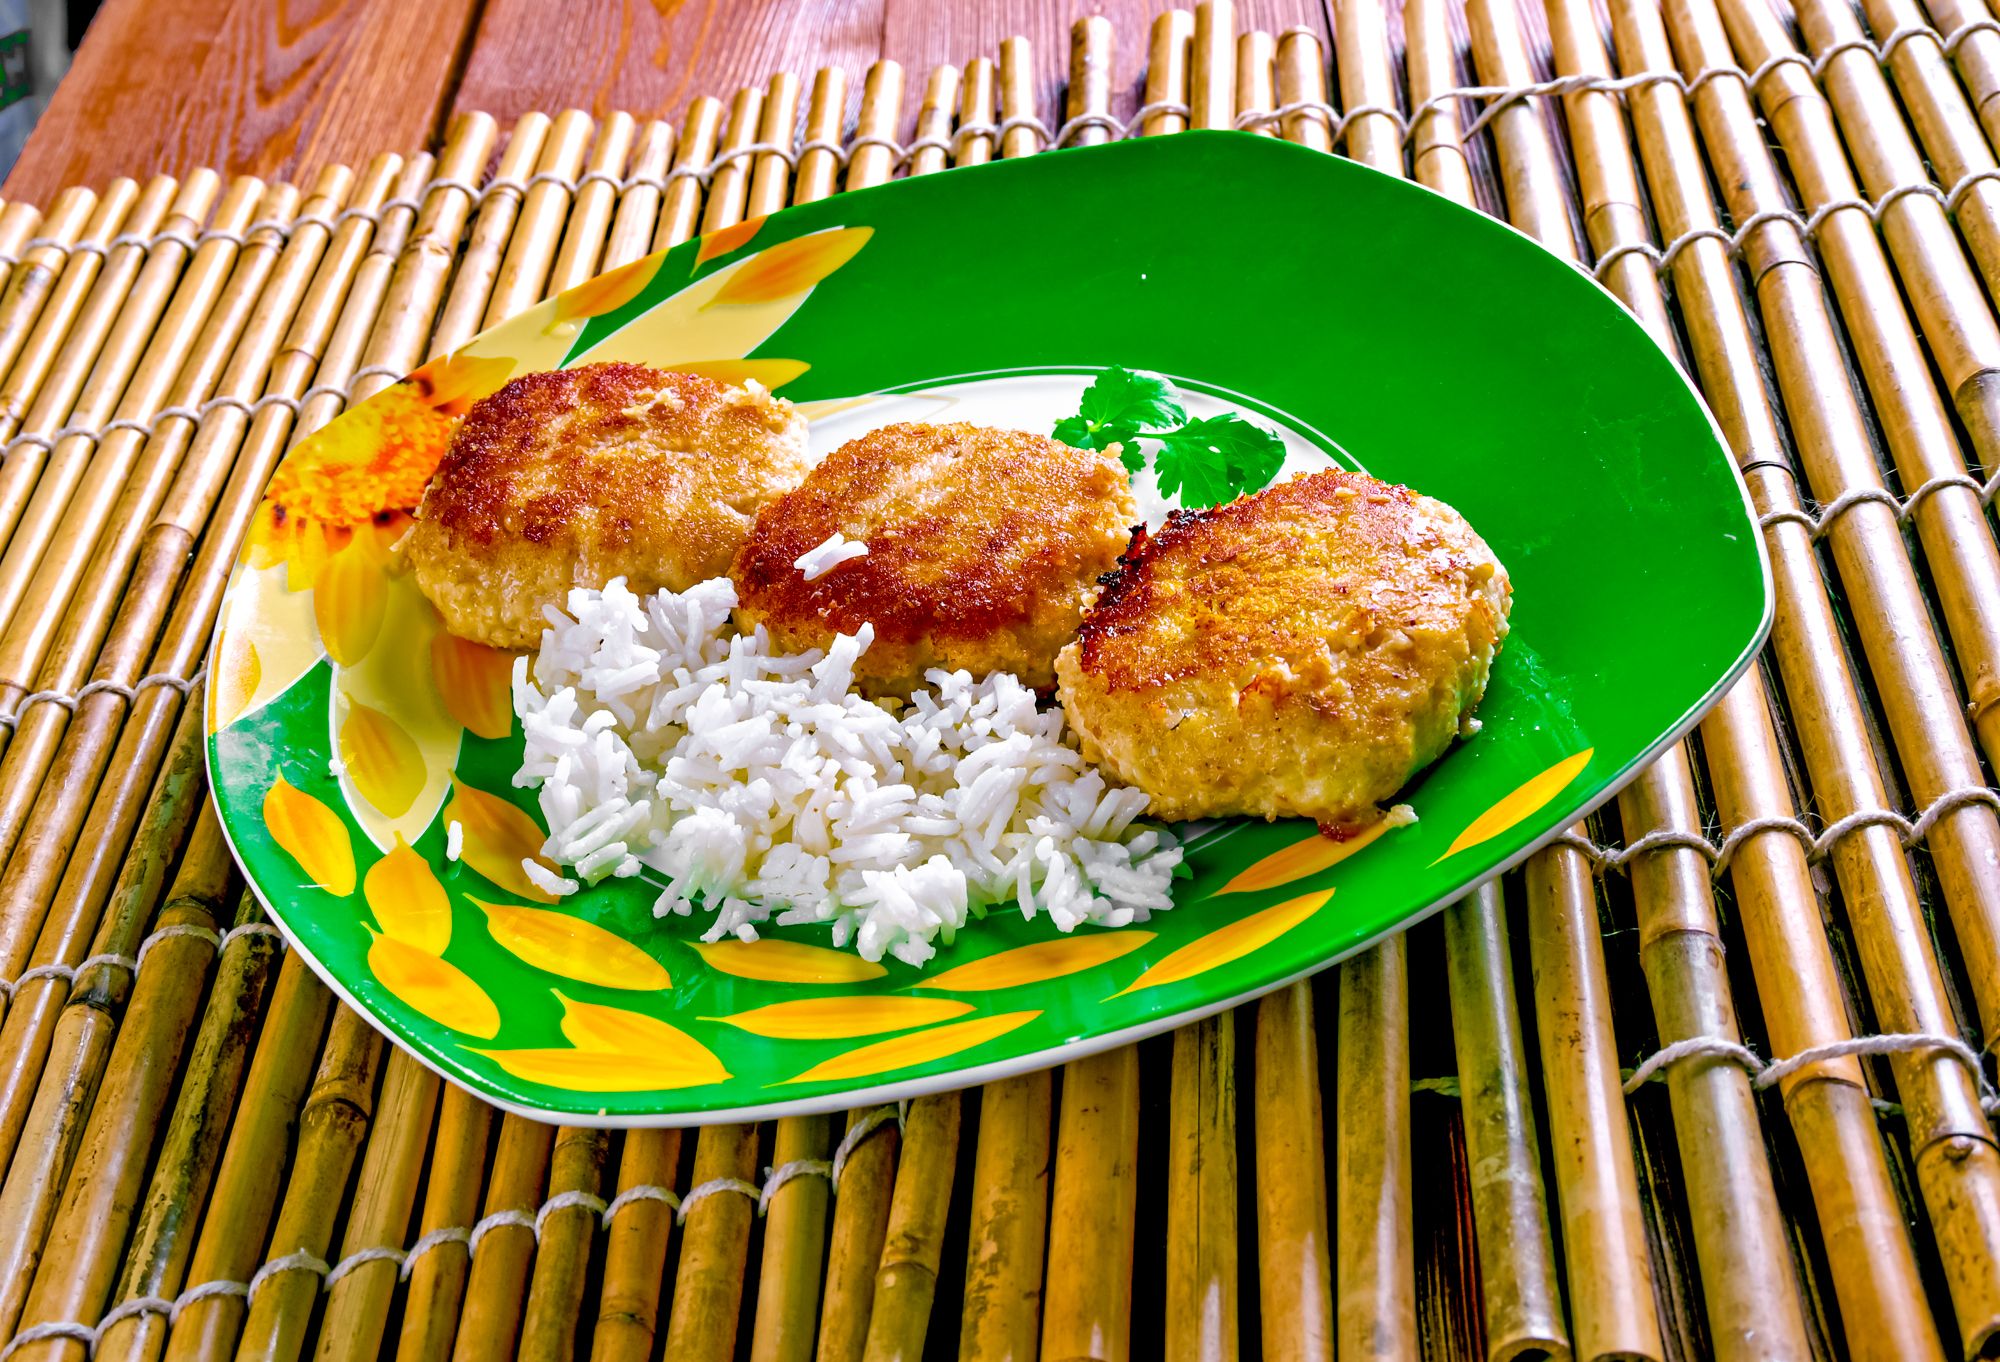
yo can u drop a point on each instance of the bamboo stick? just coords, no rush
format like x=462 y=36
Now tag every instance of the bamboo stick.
x=490 y=1323
x=826 y=113
x=1301 y=77
x=772 y=182
x=715 y=1246
x=562 y=1258
x=1016 y=92
x=232 y=1238
x=635 y=1254
x=162 y=1233
x=977 y=109
x=24 y=302
x=934 y=117
x=378 y=1214
x=479 y=261
x=451 y=1200
x=332 y=1124
x=881 y=113
x=860 y=1220
x=1092 y=46
x=51 y=306
x=1374 y=1268
x=1201 y=1192
x=1293 y=1275
x=907 y=1279
x=1087 y=1306
x=1520 y=1293
x=1212 y=66
x=794 y=1247
x=1010 y=1211
x=1948 y=1135
x=1752 y=1303
x=1610 y=1278
x=593 y=206
x=1256 y=79
x=524 y=270
x=18 y=222
x=81 y=1150
x=681 y=209
x=730 y=185
x=639 y=206
x=1978 y=57
x=1167 y=70
x=1367 y=80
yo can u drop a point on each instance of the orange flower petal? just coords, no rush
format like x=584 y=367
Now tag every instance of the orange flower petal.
x=350 y=595
x=383 y=760
x=408 y=902
x=790 y=267
x=498 y=837
x=1034 y=964
x=786 y=962
x=311 y=834
x=608 y=291
x=238 y=670
x=615 y=1030
x=476 y=683
x=1228 y=943
x=726 y=239
x=922 y=1048
x=1309 y=855
x=435 y=988
x=567 y=945
x=772 y=373
x=1523 y=802
x=598 y=1071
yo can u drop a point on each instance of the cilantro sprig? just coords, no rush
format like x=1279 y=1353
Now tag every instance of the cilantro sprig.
x=1203 y=462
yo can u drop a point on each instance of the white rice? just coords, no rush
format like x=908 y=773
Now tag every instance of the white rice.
x=829 y=554
x=664 y=743
x=454 y=840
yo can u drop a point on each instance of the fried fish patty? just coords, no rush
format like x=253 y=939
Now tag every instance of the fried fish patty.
x=1301 y=652
x=983 y=546
x=572 y=477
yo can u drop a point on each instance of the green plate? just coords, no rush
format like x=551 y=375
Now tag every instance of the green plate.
x=1376 y=324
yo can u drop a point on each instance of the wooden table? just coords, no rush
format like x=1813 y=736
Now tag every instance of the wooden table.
x=279 y=88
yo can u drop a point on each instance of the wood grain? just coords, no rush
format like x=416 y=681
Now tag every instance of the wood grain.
x=276 y=88
x=650 y=57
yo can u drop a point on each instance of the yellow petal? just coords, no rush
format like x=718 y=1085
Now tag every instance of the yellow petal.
x=237 y=672
x=1524 y=802
x=569 y=946
x=614 y=1031
x=599 y=1071
x=312 y=834
x=1309 y=855
x=408 y=902
x=382 y=760
x=350 y=593
x=498 y=837
x=790 y=267
x=727 y=239
x=786 y=962
x=772 y=373
x=452 y=383
x=608 y=291
x=476 y=683
x=1043 y=960
x=922 y=1048
x=436 y=988
x=1232 y=942
x=839 y=1018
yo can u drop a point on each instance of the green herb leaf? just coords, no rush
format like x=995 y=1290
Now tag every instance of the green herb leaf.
x=1117 y=406
x=1215 y=459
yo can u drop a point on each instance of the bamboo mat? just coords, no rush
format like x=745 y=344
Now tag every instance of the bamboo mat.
x=1545 y=1124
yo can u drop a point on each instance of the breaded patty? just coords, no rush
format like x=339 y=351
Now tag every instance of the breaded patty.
x=983 y=546
x=572 y=477
x=1301 y=652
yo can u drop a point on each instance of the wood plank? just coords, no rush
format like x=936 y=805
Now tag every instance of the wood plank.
x=924 y=33
x=246 y=86
x=651 y=58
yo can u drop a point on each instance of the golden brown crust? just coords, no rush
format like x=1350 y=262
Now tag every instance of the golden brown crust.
x=575 y=476
x=982 y=548
x=1298 y=652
